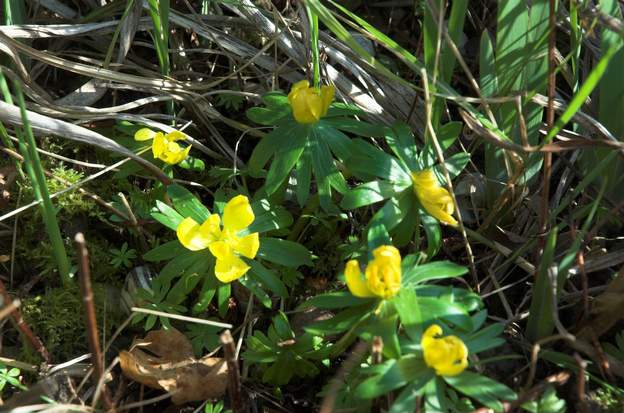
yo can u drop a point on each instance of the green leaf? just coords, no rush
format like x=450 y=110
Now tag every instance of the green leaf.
x=286 y=157
x=339 y=143
x=407 y=400
x=207 y=293
x=252 y=285
x=193 y=164
x=377 y=235
x=268 y=278
x=287 y=253
x=368 y=161
x=166 y=215
x=340 y=322
x=406 y=304
x=356 y=127
x=432 y=271
x=394 y=210
x=485 y=339
x=178 y=266
x=340 y=299
x=187 y=204
x=268 y=145
x=540 y=323
x=400 y=139
x=370 y=193
x=432 y=309
x=395 y=374
x=304 y=178
x=266 y=116
x=223 y=297
x=166 y=251
x=456 y=163
x=483 y=389
x=267 y=218
x=433 y=233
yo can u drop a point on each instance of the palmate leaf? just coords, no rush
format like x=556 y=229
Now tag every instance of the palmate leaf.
x=483 y=389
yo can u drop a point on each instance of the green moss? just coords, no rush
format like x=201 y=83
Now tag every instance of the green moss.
x=57 y=317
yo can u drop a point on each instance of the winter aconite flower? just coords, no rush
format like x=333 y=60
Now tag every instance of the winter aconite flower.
x=223 y=241
x=435 y=199
x=164 y=147
x=382 y=277
x=309 y=104
x=448 y=356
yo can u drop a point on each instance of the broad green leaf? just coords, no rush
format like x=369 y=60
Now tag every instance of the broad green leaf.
x=268 y=145
x=304 y=178
x=166 y=215
x=400 y=139
x=432 y=309
x=483 y=389
x=287 y=253
x=406 y=303
x=356 y=127
x=187 y=204
x=368 y=161
x=370 y=193
x=342 y=321
x=166 y=251
x=268 y=278
x=340 y=299
x=396 y=373
x=432 y=271
x=286 y=158
x=267 y=218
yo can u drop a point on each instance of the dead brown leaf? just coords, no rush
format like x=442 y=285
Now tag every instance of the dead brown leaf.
x=164 y=360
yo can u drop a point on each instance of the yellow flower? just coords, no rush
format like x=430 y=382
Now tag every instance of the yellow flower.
x=435 y=199
x=309 y=104
x=165 y=147
x=224 y=243
x=382 y=274
x=448 y=356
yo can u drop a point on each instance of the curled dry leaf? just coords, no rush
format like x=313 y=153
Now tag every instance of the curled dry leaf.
x=164 y=360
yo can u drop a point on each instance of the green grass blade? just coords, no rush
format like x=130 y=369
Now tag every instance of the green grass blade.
x=37 y=176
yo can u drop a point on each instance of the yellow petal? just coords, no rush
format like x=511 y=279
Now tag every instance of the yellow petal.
x=439 y=213
x=355 y=283
x=211 y=227
x=230 y=268
x=175 y=136
x=447 y=355
x=297 y=87
x=327 y=97
x=248 y=245
x=220 y=249
x=159 y=145
x=436 y=200
x=192 y=236
x=237 y=214
x=144 y=134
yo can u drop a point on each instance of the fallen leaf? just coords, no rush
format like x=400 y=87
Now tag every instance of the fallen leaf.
x=164 y=360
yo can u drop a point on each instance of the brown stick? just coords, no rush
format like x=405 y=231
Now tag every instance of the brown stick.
x=550 y=120
x=234 y=380
x=21 y=325
x=90 y=319
x=580 y=383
